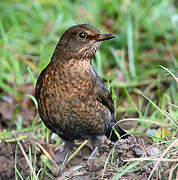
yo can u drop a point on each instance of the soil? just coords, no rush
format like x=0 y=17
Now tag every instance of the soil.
x=9 y=151
x=110 y=159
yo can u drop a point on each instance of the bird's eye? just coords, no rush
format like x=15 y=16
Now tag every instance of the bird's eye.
x=82 y=35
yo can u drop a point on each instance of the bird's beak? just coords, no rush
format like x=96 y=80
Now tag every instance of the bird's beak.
x=105 y=36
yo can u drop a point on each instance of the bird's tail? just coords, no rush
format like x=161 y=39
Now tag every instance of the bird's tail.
x=112 y=135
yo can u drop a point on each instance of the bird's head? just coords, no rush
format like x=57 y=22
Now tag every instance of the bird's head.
x=81 y=41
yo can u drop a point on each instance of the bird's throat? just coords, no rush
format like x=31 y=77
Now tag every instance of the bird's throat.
x=77 y=67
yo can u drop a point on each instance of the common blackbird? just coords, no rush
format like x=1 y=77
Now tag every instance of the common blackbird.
x=73 y=101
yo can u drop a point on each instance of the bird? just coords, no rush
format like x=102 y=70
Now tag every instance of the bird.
x=73 y=101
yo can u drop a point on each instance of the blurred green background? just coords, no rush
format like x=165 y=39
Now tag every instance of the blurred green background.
x=147 y=37
x=140 y=66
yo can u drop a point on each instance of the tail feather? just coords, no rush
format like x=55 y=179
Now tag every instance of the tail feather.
x=112 y=135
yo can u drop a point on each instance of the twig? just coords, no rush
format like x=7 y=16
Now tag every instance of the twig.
x=176 y=79
x=151 y=159
x=77 y=150
x=28 y=161
x=164 y=153
x=144 y=120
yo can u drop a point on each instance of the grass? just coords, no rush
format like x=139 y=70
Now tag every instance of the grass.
x=140 y=65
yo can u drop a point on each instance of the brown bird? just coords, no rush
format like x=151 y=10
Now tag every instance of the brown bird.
x=73 y=101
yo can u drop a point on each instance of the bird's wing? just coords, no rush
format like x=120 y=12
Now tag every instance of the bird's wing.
x=105 y=97
x=102 y=93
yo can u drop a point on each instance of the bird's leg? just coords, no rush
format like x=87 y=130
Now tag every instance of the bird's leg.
x=96 y=142
x=93 y=152
x=69 y=145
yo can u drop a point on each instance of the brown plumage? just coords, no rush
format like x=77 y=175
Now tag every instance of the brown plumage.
x=73 y=101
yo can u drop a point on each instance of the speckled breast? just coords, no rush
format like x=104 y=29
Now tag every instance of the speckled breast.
x=66 y=103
